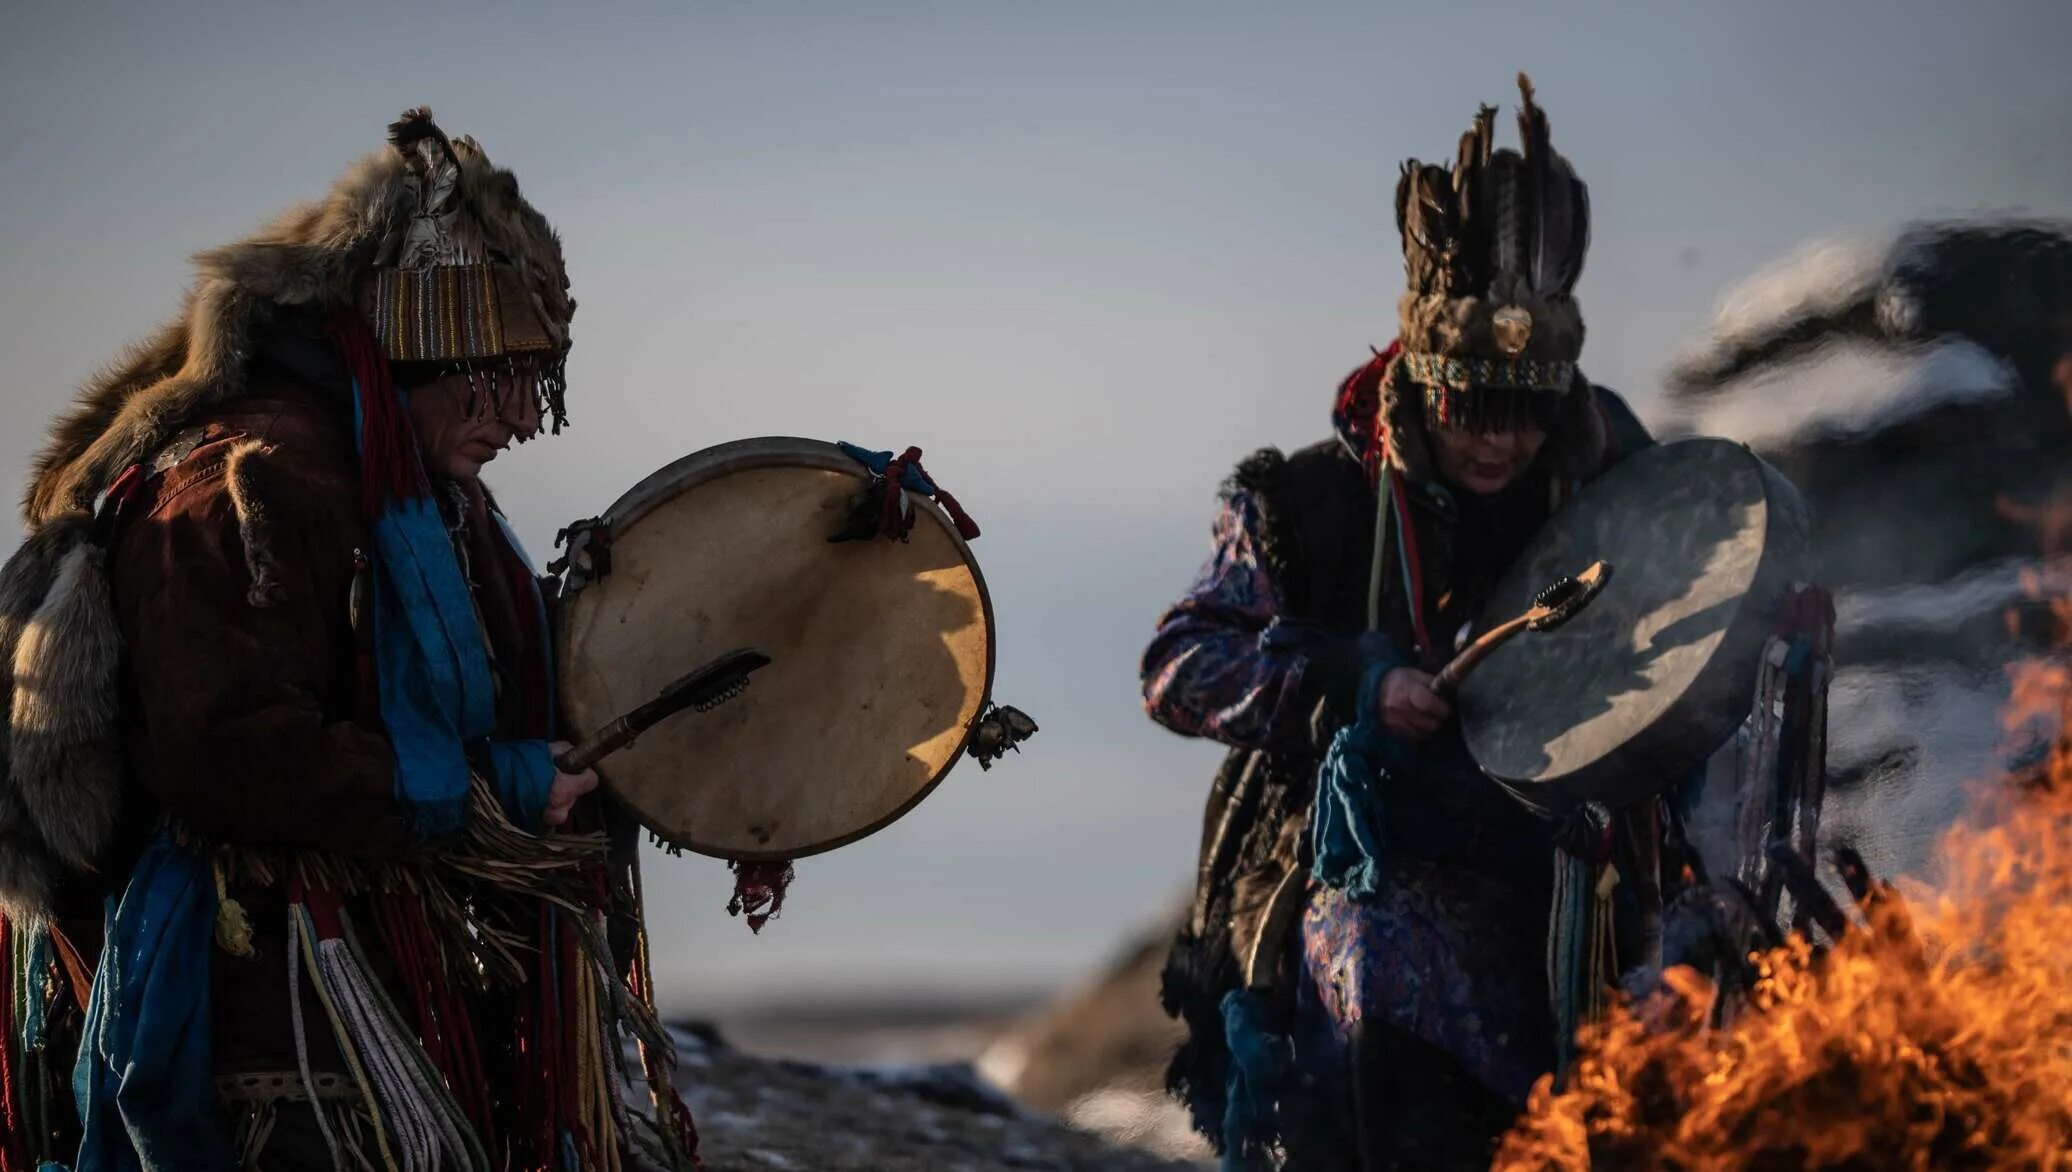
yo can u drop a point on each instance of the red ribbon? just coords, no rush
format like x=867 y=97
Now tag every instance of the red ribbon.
x=894 y=524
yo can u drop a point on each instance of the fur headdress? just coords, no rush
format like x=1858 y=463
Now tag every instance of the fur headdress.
x=1489 y=326
x=426 y=238
x=428 y=212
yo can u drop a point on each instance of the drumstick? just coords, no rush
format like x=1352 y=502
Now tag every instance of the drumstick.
x=1550 y=608
x=708 y=686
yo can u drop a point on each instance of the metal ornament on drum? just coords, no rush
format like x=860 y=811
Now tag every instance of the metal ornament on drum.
x=881 y=652
x=1657 y=672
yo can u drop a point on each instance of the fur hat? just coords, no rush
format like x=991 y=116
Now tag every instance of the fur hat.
x=1489 y=328
x=427 y=237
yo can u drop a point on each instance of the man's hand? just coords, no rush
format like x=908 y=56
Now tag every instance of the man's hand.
x=1409 y=707
x=561 y=798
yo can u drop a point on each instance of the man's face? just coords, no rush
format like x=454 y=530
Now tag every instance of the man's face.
x=460 y=428
x=1485 y=463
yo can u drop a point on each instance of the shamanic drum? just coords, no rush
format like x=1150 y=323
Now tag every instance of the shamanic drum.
x=881 y=650
x=1659 y=670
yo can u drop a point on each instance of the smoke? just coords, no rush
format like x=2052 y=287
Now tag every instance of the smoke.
x=1849 y=390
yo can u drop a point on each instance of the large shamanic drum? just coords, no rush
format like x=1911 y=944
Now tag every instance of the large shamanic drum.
x=881 y=650
x=1653 y=676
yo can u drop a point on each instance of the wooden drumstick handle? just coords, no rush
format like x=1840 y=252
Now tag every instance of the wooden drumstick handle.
x=1550 y=608
x=595 y=747
x=1448 y=681
x=710 y=685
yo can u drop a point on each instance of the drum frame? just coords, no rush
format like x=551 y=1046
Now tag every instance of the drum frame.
x=721 y=460
x=1715 y=702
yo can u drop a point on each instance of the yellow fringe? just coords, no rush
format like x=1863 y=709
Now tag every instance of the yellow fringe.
x=306 y=929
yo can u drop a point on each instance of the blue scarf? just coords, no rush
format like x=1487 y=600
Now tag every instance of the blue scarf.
x=143 y=1080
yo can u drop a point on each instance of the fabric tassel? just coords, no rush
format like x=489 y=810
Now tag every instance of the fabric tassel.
x=904 y=472
x=13 y=1127
x=676 y=1131
x=1580 y=959
x=145 y=1095
x=419 y=1120
x=295 y=950
x=1346 y=820
x=1566 y=934
x=759 y=890
x=1260 y=1063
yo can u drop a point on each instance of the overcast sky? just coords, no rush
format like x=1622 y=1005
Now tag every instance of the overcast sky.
x=1086 y=255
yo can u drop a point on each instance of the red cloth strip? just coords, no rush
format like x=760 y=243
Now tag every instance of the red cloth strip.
x=389 y=465
x=569 y=1019
x=547 y=1034
x=12 y=1131
x=1393 y=497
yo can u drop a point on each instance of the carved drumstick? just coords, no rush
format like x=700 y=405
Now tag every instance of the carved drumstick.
x=1550 y=608
x=708 y=686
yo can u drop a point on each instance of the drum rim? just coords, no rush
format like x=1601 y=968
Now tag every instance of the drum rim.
x=740 y=455
x=1787 y=548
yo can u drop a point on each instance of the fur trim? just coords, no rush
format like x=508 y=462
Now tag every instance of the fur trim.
x=313 y=256
x=28 y=873
x=1460 y=327
x=246 y=480
x=63 y=757
x=1403 y=418
x=1575 y=443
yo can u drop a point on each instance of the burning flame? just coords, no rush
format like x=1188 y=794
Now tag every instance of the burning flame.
x=1935 y=1034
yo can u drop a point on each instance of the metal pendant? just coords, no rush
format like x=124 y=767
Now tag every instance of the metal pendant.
x=1512 y=327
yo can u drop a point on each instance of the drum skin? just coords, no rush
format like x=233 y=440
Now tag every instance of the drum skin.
x=1659 y=670
x=881 y=652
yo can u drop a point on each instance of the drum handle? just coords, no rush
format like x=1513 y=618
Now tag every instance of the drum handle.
x=1550 y=608
x=613 y=737
x=709 y=686
x=1448 y=681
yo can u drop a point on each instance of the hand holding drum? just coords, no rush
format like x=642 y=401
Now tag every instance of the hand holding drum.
x=567 y=787
x=1414 y=704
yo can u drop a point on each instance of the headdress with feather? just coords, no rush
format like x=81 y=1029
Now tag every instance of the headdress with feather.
x=1492 y=248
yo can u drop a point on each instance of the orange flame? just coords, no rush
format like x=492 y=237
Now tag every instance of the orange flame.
x=1939 y=1037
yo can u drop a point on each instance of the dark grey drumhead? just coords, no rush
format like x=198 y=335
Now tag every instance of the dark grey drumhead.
x=1656 y=673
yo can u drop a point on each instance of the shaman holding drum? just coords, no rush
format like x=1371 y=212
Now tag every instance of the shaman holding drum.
x=288 y=702
x=1380 y=960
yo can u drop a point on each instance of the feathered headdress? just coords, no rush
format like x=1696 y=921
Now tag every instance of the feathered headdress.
x=1492 y=248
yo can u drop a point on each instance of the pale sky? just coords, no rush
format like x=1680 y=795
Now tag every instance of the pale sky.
x=1086 y=255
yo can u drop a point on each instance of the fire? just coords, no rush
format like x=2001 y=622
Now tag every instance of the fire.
x=1935 y=1034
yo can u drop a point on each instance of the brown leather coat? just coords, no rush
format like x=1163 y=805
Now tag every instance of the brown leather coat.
x=240 y=718
x=232 y=571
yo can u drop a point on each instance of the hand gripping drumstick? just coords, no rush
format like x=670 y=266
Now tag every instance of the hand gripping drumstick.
x=705 y=688
x=1550 y=608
